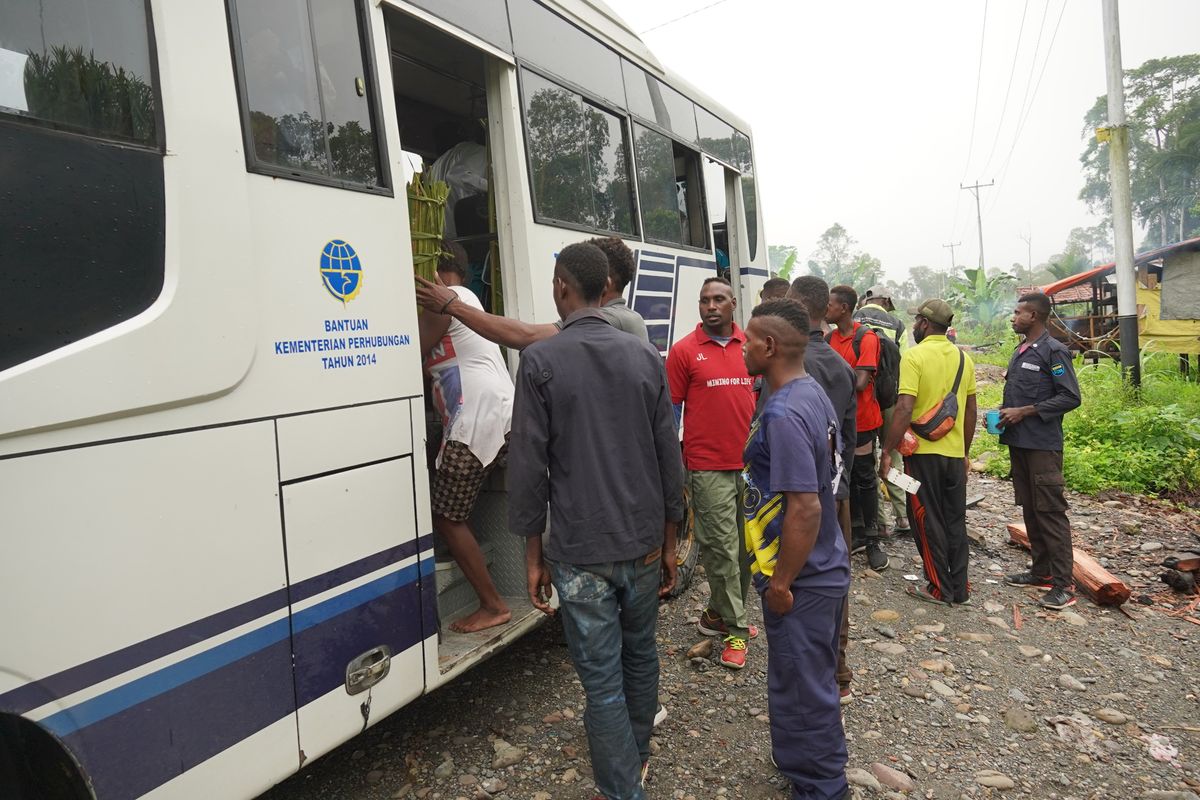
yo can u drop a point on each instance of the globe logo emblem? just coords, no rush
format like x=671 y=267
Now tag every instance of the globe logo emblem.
x=341 y=271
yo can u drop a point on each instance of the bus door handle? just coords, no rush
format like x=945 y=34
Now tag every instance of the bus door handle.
x=368 y=669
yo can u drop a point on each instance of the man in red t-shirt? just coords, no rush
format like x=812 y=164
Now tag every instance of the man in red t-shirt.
x=712 y=394
x=847 y=337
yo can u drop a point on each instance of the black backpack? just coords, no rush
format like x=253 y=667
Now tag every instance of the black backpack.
x=887 y=373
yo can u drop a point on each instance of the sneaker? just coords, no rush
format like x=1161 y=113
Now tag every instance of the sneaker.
x=734 y=654
x=1026 y=579
x=877 y=558
x=1057 y=599
x=660 y=716
x=712 y=625
x=846 y=696
x=901 y=526
x=857 y=545
x=964 y=602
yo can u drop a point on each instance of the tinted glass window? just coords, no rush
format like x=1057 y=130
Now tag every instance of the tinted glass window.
x=307 y=88
x=716 y=137
x=650 y=98
x=82 y=65
x=744 y=160
x=669 y=187
x=546 y=39
x=578 y=158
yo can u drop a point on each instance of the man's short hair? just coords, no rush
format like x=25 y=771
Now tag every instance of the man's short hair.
x=812 y=293
x=1038 y=302
x=620 y=260
x=773 y=286
x=787 y=310
x=845 y=294
x=585 y=268
x=453 y=258
x=717 y=279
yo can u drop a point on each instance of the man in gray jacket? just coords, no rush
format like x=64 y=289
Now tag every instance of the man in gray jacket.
x=614 y=507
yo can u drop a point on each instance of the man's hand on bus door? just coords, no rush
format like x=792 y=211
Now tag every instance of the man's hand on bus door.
x=537 y=575
x=669 y=563
x=433 y=296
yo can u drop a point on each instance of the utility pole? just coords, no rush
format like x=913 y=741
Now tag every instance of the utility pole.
x=953 y=263
x=974 y=189
x=1116 y=133
x=1028 y=239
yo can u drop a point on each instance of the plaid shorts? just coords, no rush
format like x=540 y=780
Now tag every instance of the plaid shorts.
x=457 y=482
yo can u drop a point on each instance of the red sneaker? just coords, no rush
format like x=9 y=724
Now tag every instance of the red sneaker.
x=734 y=654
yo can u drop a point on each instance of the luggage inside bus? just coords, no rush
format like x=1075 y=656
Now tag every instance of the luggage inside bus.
x=442 y=107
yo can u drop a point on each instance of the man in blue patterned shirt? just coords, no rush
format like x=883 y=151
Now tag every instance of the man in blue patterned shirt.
x=798 y=558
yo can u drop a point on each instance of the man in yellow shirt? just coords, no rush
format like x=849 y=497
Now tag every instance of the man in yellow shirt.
x=930 y=371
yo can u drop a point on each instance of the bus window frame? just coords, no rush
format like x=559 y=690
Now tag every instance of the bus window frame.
x=630 y=164
x=159 y=144
x=362 y=11
x=710 y=246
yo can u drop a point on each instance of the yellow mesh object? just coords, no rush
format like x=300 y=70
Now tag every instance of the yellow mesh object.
x=427 y=222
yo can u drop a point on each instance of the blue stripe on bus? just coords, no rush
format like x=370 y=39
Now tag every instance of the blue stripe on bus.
x=61 y=684
x=655 y=283
x=142 y=747
x=660 y=256
x=702 y=263
x=141 y=689
x=762 y=273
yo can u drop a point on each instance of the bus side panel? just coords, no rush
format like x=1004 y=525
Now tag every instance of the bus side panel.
x=153 y=633
x=363 y=519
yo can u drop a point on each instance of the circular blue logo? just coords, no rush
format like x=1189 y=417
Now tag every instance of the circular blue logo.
x=341 y=271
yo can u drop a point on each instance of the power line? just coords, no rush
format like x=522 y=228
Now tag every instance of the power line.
x=1003 y=171
x=1011 y=72
x=685 y=16
x=974 y=189
x=978 y=78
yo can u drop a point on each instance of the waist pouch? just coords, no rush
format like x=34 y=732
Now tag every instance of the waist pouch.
x=939 y=420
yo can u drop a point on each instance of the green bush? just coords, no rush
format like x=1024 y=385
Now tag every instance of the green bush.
x=1147 y=442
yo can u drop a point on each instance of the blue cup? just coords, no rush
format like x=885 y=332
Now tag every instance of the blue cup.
x=993 y=422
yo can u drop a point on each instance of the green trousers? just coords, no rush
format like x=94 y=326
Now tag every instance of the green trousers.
x=890 y=493
x=717 y=507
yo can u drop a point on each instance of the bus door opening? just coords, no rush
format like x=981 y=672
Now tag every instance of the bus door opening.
x=439 y=86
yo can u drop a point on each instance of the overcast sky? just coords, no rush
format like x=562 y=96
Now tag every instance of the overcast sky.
x=862 y=111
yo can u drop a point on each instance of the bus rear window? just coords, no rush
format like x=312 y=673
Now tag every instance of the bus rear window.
x=83 y=67
x=306 y=90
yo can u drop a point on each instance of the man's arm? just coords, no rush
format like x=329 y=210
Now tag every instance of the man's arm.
x=901 y=419
x=431 y=327
x=503 y=331
x=801 y=524
x=528 y=455
x=969 y=422
x=867 y=362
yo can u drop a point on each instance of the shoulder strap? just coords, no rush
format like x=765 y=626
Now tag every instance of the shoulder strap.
x=962 y=361
x=858 y=337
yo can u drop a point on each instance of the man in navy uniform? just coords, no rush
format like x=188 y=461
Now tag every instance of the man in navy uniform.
x=1040 y=387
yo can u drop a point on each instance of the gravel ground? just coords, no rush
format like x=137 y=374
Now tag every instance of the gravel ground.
x=997 y=699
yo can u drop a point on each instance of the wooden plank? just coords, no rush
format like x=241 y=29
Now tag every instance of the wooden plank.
x=1099 y=584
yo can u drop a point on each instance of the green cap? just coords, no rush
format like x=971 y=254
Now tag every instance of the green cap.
x=935 y=310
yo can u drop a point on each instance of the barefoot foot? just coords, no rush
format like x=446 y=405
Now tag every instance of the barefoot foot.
x=481 y=620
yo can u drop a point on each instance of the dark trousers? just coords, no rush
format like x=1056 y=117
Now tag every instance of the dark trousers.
x=938 y=515
x=807 y=739
x=1038 y=488
x=864 y=490
x=844 y=675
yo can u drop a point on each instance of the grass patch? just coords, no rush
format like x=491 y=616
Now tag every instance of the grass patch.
x=1147 y=443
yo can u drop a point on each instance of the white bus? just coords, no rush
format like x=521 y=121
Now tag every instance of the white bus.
x=216 y=558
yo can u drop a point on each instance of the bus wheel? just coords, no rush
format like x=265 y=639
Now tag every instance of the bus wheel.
x=687 y=550
x=34 y=766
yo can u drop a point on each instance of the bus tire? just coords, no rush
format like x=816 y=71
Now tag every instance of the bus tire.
x=687 y=549
x=35 y=766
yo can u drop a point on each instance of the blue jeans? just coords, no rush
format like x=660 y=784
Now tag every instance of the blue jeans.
x=807 y=740
x=609 y=612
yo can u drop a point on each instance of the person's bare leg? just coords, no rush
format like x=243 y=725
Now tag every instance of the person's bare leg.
x=461 y=542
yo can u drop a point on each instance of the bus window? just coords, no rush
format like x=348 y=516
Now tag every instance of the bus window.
x=651 y=99
x=669 y=187
x=85 y=70
x=745 y=162
x=578 y=159
x=307 y=90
